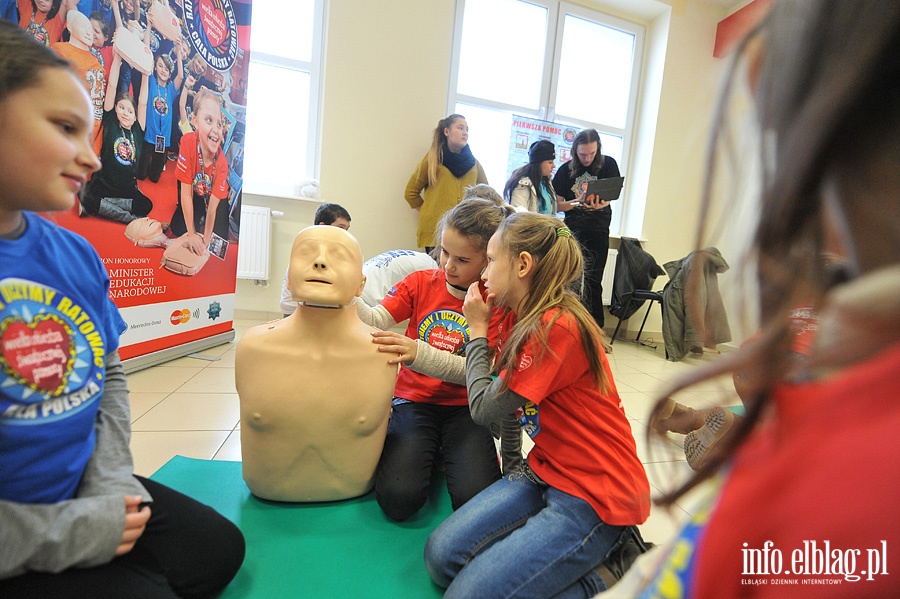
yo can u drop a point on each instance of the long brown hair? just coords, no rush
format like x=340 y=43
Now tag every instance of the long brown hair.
x=438 y=141
x=828 y=103
x=586 y=136
x=558 y=263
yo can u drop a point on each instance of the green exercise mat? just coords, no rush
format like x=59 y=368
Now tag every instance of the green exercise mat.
x=315 y=550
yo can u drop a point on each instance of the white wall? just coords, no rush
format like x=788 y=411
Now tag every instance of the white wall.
x=385 y=84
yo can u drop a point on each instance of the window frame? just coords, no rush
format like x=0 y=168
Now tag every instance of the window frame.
x=556 y=13
x=313 y=68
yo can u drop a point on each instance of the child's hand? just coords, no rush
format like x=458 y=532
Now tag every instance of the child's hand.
x=135 y=523
x=477 y=311
x=395 y=343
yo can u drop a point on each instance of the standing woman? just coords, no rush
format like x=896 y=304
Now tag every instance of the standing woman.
x=529 y=186
x=588 y=220
x=444 y=174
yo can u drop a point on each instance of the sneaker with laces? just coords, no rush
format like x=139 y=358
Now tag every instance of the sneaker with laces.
x=613 y=568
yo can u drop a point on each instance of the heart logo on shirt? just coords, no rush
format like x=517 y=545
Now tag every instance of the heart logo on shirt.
x=39 y=354
x=451 y=341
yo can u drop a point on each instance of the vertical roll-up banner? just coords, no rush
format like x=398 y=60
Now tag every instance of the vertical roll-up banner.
x=176 y=158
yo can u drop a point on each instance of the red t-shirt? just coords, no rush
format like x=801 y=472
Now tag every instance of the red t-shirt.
x=436 y=317
x=583 y=443
x=189 y=167
x=826 y=469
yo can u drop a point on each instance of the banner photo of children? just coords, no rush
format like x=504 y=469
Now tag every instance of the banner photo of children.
x=524 y=131
x=168 y=81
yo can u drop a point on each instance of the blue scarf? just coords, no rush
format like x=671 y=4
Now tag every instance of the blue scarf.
x=458 y=164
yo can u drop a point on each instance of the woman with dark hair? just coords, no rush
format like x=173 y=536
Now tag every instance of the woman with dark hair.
x=529 y=186
x=442 y=177
x=587 y=217
x=798 y=492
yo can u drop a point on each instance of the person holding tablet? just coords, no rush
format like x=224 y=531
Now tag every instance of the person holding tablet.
x=587 y=216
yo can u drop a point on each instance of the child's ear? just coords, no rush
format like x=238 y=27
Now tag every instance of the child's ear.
x=523 y=265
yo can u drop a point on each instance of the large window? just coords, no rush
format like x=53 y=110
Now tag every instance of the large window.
x=549 y=60
x=282 y=95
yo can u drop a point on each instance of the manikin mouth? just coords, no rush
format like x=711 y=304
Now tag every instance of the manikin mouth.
x=318 y=281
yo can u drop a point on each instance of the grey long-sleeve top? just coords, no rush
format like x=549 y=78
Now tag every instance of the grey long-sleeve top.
x=452 y=368
x=84 y=531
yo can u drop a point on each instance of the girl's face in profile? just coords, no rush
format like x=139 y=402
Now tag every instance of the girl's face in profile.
x=49 y=126
x=207 y=120
x=125 y=113
x=496 y=274
x=457 y=134
x=546 y=168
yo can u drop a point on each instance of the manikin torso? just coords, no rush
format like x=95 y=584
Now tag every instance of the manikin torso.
x=315 y=393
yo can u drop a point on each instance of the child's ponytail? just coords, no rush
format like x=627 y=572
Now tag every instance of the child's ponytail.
x=438 y=141
x=558 y=266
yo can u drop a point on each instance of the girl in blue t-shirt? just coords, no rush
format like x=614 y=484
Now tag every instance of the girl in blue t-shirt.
x=160 y=103
x=74 y=519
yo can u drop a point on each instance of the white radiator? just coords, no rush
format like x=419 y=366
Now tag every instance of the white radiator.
x=254 y=243
x=609 y=274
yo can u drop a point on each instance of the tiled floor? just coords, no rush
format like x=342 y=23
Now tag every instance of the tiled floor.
x=189 y=407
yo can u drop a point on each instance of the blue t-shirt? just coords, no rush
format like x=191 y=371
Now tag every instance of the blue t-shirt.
x=57 y=324
x=160 y=100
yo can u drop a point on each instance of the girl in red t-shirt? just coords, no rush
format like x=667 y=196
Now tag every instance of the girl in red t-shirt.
x=576 y=499
x=202 y=174
x=430 y=414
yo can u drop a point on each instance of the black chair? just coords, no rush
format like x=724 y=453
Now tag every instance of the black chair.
x=637 y=297
x=636 y=270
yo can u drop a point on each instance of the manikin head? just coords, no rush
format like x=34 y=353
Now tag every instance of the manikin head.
x=326 y=268
x=81 y=29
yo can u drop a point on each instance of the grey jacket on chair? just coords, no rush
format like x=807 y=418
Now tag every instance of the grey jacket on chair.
x=693 y=311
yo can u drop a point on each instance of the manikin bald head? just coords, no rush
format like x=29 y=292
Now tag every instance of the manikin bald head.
x=326 y=267
x=81 y=30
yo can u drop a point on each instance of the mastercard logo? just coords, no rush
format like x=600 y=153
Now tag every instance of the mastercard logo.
x=180 y=317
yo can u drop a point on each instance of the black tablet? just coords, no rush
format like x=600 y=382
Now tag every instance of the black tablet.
x=606 y=189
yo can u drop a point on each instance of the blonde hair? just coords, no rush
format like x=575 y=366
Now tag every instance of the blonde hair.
x=475 y=219
x=484 y=192
x=438 y=141
x=203 y=95
x=558 y=264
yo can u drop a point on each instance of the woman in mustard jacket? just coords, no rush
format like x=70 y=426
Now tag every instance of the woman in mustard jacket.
x=442 y=177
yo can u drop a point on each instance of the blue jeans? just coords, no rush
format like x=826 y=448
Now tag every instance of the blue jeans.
x=415 y=435
x=520 y=538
